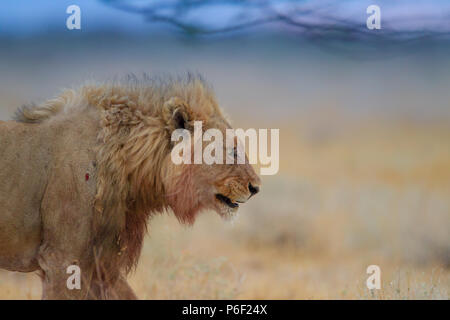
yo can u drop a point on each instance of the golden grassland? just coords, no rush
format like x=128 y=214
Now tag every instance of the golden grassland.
x=349 y=194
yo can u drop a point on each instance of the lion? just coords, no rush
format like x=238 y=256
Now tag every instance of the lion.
x=82 y=174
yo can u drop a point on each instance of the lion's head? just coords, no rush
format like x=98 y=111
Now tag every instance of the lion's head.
x=191 y=188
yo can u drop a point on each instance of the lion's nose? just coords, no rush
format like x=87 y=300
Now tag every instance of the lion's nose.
x=253 y=189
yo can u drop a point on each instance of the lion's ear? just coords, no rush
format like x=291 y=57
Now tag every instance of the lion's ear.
x=177 y=114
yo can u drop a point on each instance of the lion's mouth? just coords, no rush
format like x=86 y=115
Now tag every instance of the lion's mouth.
x=226 y=201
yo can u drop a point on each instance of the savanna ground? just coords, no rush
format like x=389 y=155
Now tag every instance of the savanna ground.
x=354 y=188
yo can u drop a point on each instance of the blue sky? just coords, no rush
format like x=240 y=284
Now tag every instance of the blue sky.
x=30 y=17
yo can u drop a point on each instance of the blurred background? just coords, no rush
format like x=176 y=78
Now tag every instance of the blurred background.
x=364 y=119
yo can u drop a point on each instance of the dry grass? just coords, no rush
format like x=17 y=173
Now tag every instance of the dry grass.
x=355 y=194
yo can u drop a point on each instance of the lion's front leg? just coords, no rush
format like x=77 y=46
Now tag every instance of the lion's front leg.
x=64 y=281
x=63 y=278
x=123 y=291
x=73 y=238
x=120 y=290
x=54 y=287
x=66 y=213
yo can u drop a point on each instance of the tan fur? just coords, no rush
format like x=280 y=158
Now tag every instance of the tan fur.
x=83 y=172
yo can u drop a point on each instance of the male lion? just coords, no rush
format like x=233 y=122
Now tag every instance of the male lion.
x=81 y=174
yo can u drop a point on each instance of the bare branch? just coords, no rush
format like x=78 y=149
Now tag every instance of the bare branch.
x=299 y=16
